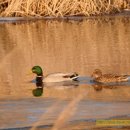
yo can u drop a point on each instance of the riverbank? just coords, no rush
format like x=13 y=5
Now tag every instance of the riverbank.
x=58 y=8
x=124 y=13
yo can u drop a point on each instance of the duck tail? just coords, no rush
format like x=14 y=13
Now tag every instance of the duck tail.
x=74 y=76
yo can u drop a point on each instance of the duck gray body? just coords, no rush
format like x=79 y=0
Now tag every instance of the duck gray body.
x=60 y=77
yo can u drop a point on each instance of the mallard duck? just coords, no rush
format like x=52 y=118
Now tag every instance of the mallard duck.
x=107 y=78
x=54 y=77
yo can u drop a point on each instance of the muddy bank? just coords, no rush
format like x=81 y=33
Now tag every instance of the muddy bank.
x=125 y=13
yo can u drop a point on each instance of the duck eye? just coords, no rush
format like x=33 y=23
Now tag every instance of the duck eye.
x=33 y=70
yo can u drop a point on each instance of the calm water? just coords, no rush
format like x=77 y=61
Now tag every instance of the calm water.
x=63 y=46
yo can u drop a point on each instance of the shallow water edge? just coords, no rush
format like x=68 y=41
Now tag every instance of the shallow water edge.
x=125 y=13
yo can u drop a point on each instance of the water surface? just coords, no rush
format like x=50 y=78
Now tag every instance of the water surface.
x=63 y=46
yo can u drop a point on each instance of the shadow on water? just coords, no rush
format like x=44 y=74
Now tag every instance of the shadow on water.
x=57 y=46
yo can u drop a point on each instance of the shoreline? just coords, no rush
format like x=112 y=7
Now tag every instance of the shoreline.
x=79 y=124
x=125 y=13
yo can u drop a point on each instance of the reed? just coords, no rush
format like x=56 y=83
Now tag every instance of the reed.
x=60 y=8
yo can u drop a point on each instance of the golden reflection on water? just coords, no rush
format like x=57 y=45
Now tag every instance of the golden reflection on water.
x=108 y=94
x=58 y=46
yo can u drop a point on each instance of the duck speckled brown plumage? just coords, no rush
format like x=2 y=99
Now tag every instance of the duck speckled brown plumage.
x=107 y=78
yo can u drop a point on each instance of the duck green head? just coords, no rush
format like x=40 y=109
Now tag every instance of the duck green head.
x=37 y=70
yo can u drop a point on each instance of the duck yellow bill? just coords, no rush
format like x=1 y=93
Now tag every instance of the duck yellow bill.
x=30 y=72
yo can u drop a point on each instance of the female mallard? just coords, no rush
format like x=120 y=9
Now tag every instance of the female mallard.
x=55 y=77
x=107 y=78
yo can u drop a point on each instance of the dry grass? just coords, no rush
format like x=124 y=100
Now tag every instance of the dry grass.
x=60 y=8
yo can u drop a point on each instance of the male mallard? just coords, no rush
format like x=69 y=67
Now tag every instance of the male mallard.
x=55 y=77
x=107 y=78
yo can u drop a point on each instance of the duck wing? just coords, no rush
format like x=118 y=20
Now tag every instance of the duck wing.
x=71 y=75
x=114 y=78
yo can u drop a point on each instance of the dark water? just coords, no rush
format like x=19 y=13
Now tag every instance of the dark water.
x=63 y=46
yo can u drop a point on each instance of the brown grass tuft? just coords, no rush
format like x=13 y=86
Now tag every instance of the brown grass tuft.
x=60 y=8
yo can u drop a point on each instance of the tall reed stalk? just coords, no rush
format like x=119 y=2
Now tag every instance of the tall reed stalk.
x=60 y=8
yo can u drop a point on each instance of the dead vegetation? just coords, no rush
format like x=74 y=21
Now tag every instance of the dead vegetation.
x=60 y=8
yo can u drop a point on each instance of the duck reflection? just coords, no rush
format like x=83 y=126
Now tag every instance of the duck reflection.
x=37 y=92
x=99 y=87
x=39 y=87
